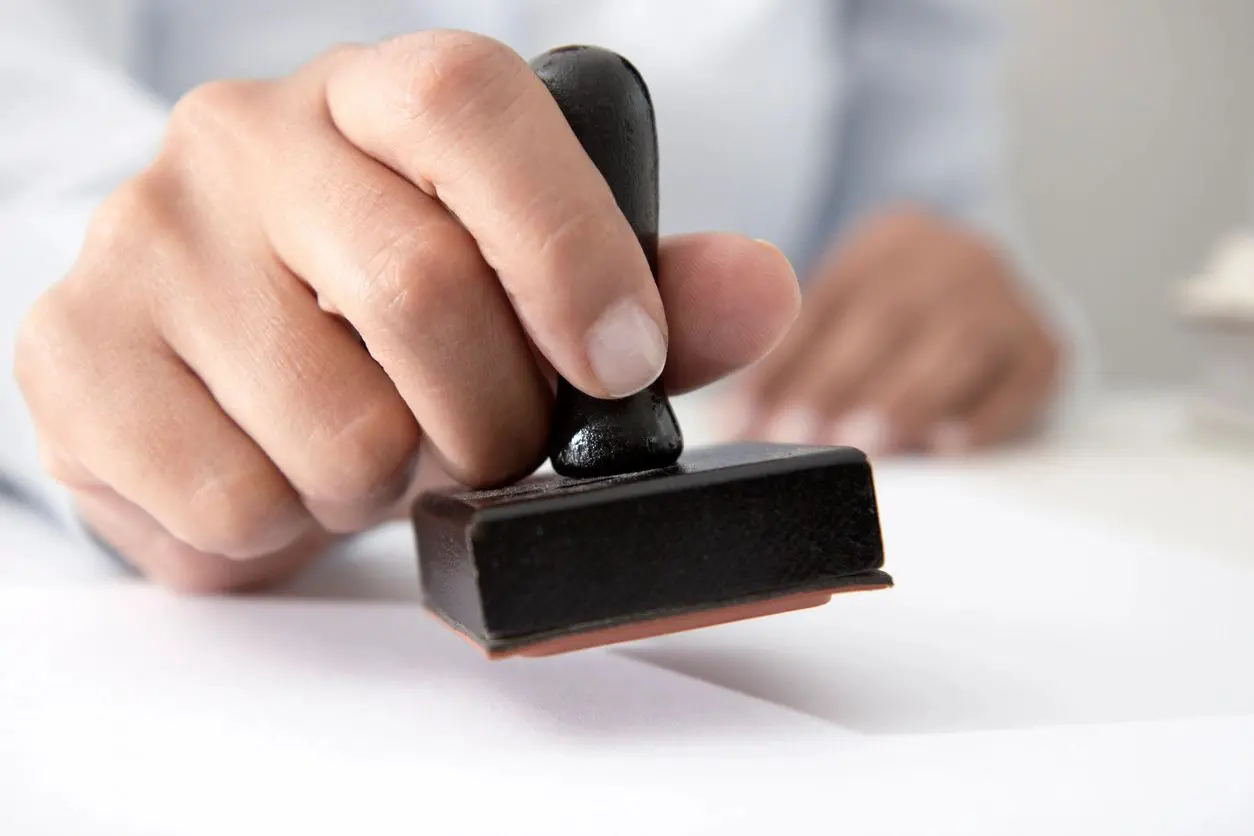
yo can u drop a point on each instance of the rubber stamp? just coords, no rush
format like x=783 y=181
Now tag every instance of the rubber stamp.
x=632 y=536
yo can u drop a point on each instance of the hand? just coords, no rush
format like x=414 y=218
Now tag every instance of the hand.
x=193 y=380
x=914 y=337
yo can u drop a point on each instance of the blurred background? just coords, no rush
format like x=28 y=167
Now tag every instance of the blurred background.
x=1133 y=156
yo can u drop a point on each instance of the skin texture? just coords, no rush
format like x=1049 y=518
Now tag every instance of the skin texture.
x=913 y=337
x=326 y=286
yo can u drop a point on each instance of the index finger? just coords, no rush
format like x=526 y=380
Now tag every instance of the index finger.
x=467 y=120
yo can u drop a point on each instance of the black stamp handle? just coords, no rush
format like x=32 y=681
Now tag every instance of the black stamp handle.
x=608 y=106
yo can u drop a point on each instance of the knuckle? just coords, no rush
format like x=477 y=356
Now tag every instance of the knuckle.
x=45 y=323
x=51 y=358
x=445 y=72
x=212 y=115
x=141 y=209
x=66 y=367
x=213 y=103
x=366 y=462
x=333 y=57
x=406 y=281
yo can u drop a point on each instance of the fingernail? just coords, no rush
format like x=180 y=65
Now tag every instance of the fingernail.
x=281 y=533
x=626 y=349
x=773 y=247
x=950 y=439
x=769 y=245
x=864 y=430
x=793 y=426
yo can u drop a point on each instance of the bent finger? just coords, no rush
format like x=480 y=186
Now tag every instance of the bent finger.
x=469 y=122
x=141 y=542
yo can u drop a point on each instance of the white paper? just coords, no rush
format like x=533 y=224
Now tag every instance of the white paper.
x=127 y=711
x=128 y=707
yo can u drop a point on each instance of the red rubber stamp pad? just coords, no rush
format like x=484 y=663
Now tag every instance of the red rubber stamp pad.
x=631 y=536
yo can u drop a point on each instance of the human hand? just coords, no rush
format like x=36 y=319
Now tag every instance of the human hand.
x=194 y=383
x=913 y=337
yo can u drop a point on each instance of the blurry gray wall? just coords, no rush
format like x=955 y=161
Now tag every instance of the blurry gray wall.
x=1133 y=153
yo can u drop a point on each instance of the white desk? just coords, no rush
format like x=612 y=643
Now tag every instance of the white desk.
x=1142 y=464
x=1087 y=669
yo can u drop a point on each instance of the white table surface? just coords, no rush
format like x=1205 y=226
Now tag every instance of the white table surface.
x=1141 y=462
x=1010 y=683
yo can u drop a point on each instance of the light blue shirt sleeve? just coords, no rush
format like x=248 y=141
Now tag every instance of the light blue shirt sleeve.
x=924 y=125
x=922 y=122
